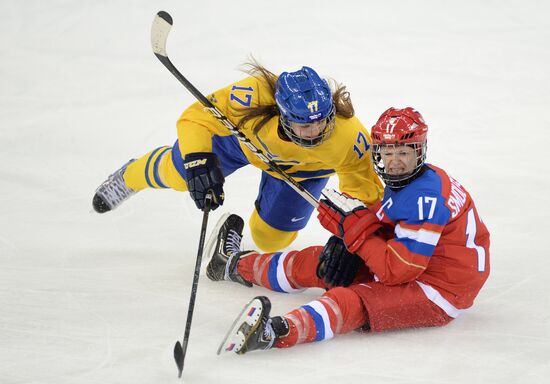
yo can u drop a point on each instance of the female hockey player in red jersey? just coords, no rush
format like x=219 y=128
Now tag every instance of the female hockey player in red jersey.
x=295 y=119
x=416 y=259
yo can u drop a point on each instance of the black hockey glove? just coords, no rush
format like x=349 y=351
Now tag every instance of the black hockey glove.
x=203 y=173
x=337 y=266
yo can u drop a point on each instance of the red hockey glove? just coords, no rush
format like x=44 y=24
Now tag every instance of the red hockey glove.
x=347 y=218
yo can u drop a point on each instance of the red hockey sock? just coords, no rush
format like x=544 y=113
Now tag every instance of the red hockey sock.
x=339 y=310
x=282 y=271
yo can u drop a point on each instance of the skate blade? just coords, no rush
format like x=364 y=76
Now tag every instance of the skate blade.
x=211 y=242
x=238 y=334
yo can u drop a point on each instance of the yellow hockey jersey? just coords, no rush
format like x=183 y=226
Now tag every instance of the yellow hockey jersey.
x=344 y=153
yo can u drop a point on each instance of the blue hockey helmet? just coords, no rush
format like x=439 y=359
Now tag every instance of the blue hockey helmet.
x=305 y=99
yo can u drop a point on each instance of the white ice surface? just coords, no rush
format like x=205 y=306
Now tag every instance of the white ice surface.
x=88 y=298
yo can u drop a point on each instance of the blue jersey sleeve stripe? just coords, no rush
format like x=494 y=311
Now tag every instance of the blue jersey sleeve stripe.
x=416 y=247
x=421 y=235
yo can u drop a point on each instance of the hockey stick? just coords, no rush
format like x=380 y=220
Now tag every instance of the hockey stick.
x=159 y=35
x=181 y=348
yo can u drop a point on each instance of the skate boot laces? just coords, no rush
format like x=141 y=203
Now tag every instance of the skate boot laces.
x=268 y=334
x=233 y=243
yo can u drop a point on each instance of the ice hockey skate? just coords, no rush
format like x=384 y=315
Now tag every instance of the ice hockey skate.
x=112 y=192
x=253 y=329
x=213 y=238
x=226 y=253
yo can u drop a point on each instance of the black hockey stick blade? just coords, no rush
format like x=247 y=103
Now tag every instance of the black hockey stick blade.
x=178 y=356
x=165 y=16
x=180 y=349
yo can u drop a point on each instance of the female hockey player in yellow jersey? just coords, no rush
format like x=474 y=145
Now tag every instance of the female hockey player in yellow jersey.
x=299 y=123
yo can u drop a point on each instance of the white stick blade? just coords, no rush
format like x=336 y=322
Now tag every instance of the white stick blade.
x=159 y=32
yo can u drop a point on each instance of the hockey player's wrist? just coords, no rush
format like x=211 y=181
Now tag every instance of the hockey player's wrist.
x=358 y=228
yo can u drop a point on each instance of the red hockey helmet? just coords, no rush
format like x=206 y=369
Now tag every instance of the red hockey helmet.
x=398 y=127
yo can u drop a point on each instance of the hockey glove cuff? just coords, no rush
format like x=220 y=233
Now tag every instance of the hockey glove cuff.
x=347 y=218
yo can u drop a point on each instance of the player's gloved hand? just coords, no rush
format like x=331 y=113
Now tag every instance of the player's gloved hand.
x=337 y=266
x=203 y=173
x=347 y=218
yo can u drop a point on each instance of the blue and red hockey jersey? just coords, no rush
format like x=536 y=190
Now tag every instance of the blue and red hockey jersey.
x=434 y=235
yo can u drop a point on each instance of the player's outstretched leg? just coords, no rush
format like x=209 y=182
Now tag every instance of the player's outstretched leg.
x=226 y=253
x=254 y=329
x=113 y=191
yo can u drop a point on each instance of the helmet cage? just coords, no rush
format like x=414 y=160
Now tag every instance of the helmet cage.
x=398 y=181
x=309 y=142
x=397 y=128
